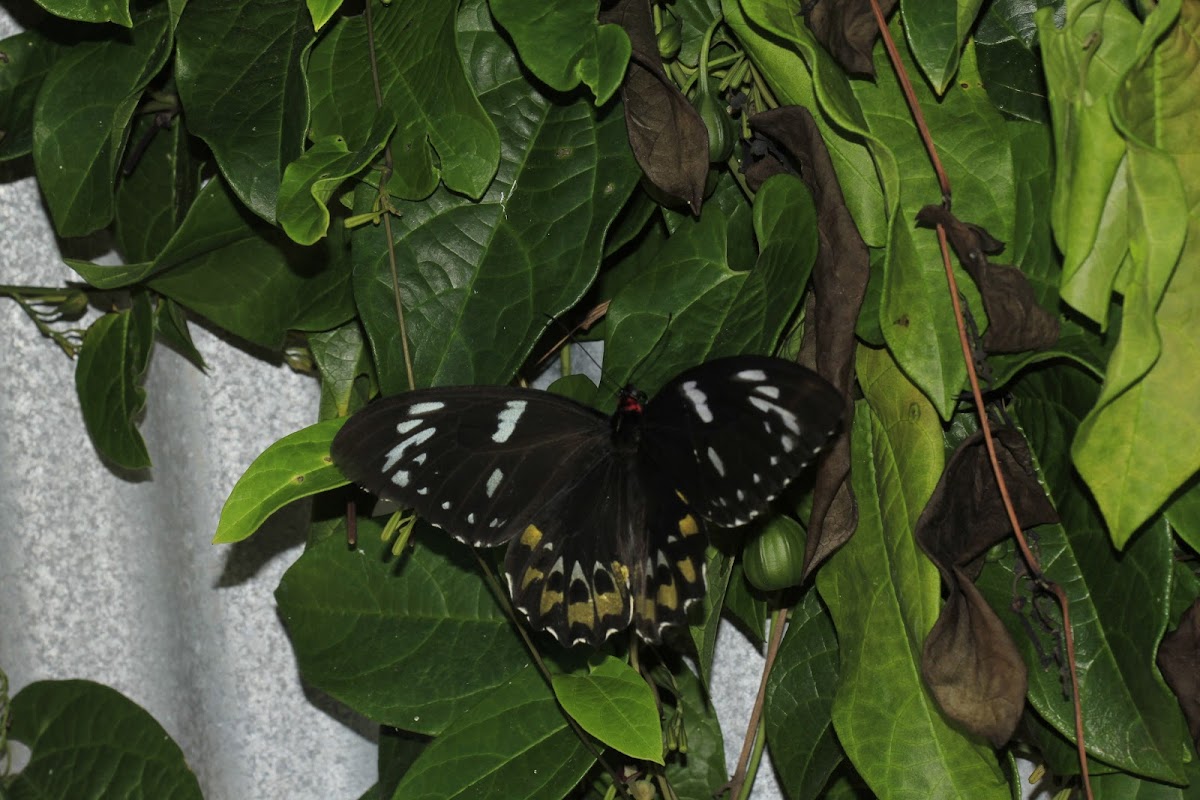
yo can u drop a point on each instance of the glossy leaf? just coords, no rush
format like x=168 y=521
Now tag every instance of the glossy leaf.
x=1140 y=443
x=91 y=10
x=309 y=181
x=800 y=691
x=477 y=279
x=27 y=60
x=1009 y=60
x=172 y=326
x=443 y=131
x=414 y=641
x=936 y=33
x=245 y=276
x=296 y=466
x=86 y=737
x=344 y=367
x=563 y=45
x=883 y=596
x=156 y=190
x=514 y=743
x=612 y=702
x=700 y=772
x=717 y=571
x=238 y=66
x=81 y=115
x=108 y=378
x=714 y=306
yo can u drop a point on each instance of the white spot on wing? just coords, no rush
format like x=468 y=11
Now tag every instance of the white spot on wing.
x=401 y=478
x=426 y=408
x=789 y=444
x=471 y=518
x=577 y=573
x=507 y=421
x=789 y=419
x=768 y=391
x=493 y=481
x=717 y=463
x=409 y=424
x=423 y=490
x=397 y=452
x=698 y=399
x=446 y=505
x=751 y=375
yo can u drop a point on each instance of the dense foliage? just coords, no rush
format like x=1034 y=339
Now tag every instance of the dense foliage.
x=407 y=195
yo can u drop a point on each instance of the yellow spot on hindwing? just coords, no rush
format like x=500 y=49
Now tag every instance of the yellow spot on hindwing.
x=688 y=525
x=581 y=614
x=549 y=601
x=531 y=537
x=667 y=596
x=686 y=569
x=620 y=569
x=530 y=576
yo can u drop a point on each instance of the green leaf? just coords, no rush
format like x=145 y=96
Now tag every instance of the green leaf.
x=309 y=181
x=799 y=704
x=936 y=32
x=322 y=11
x=712 y=306
x=563 y=45
x=782 y=47
x=443 y=130
x=91 y=10
x=242 y=274
x=1184 y=515
x=884 y=595
x=28 y=58
x=746 y=606
x=81 y=118
x=478 y=278
x=1141 y=443
x=514 y=743
x=718 y=569
x=87 y=738
x=1118 y=601
x=613 y=703
x=345 y=369
x=296 y=466
x=238 y=66
x=172 y=326
x=398 y=751
x=1090 y=183
x=700 y=772
x=915 y=310
x=413 y=642
x=108 y=378
x=1010 y=62
x=153 y=200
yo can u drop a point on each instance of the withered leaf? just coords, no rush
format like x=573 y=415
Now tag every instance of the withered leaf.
x=839 y=281
x=1016 y=322
x=970 y=663
x=666 y=133
x=1179 y=660
x=847 y=29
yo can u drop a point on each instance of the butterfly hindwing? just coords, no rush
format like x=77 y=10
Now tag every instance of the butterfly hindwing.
x=735 y=431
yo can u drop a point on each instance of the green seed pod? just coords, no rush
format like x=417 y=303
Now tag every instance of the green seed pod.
x=670 y=37
x=721 y=131
x=774 y=557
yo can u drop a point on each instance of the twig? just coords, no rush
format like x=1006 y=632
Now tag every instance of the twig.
x=737 y=785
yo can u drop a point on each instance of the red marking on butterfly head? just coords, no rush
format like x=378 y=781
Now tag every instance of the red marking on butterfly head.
x=631 y=401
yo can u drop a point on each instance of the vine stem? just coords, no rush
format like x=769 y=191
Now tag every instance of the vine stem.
x=389 y=166
x=738 y=786
x=977 y=395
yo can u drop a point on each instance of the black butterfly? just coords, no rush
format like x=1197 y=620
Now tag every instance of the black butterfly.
x=604 y=516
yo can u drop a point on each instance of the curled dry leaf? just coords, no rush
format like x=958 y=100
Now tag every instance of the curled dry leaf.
x=847 y=29
x=970 y=663
x=839 y=284
x=1016 y=322
x=666 y=134
x=1179 y=660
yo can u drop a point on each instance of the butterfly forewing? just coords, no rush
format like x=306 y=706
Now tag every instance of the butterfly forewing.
x=477 y=461
x=735 y=431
